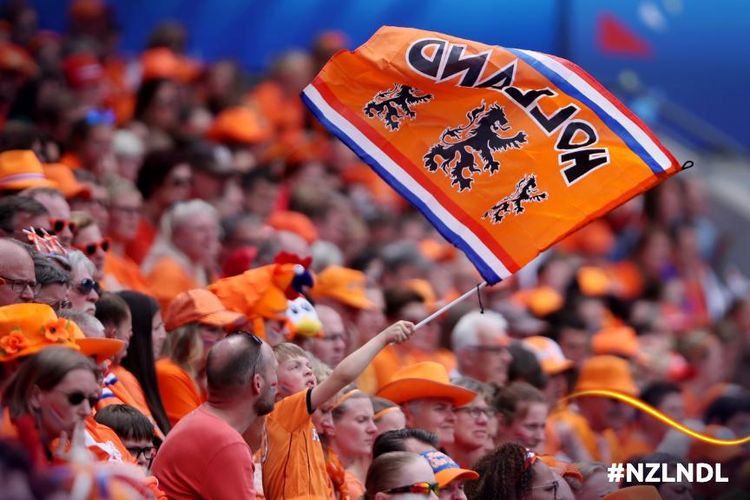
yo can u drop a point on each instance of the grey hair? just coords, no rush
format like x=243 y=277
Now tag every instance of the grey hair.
x=183 y=212
x=78 y=258
x=325 y=254
x=89 y=325
x=47 y=273
x=465 y=332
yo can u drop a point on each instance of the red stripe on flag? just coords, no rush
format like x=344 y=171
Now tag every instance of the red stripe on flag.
x=417 y=174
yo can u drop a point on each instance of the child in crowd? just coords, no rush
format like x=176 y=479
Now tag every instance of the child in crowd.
x=134 y=430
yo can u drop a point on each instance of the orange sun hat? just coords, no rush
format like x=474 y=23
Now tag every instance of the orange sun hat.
x=199 y=306
x=606 y=373
x=66 y=182
x=343 y=285
x=26 y=329
x=549 y=354
x=427 y=379
x=21 y=169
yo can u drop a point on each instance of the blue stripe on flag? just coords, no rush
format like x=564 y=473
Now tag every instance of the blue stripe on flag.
x=611 y=122
x=484 y=269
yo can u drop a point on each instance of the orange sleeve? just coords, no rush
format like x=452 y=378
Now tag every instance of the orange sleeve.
x=122 y=271
x=167 y=280
x=138 y=247
x=178 y=392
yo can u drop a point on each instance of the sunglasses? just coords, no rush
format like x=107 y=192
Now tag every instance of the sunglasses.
x=147 y=452
x=59 y=225
x=257 y=341
x=77 y=397
x=86 y=285
x=91 y=248
x=419 y=488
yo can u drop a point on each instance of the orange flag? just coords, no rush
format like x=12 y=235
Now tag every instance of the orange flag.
x=505 y=151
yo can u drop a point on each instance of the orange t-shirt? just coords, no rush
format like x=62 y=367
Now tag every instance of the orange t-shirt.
x=204 y=457
x=595 y=443
x=138 y=247
x=179 y=392
x=121 y=273
x=293 y=463
x=168 y=279
x=128 y=391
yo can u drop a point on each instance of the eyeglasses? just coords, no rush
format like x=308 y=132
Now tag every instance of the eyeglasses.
x=18 y=286
x=147 y=452
x=91 y=248
x=489 y=349
x=86 y=285
x=59 y=225
x=78 y=397
x=419 y=488
x=476 y=411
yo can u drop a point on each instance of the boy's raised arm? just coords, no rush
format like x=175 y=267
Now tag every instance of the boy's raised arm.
x=353 y=365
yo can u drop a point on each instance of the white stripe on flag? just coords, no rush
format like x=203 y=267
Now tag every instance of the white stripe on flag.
x=586 y=89
x=406 y=180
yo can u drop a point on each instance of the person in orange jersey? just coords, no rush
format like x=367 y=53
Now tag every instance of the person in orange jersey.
x=599 y=418
x=195 y=320
x=353 y=436
x=120 y=271
x=427 y=398
x=164 y=179
x=480 y=341
x=185 y=254
x=293 y=461
x=475 y=425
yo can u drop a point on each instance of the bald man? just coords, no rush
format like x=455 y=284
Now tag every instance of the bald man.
x=205 y=455
x=17 y=277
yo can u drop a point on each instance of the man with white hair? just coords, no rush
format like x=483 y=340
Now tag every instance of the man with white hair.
x=185 y=254
x=480 y=341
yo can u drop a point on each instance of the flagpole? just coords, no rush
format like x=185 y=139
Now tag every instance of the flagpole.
x=450 y=304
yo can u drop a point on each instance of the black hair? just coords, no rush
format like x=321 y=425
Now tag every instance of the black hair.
x=126 y=421
x=726 y=407
x=112 y=310
x=140 y=358
x=655 y=392
x=395 y=440
x=396 y=298
x=10 y=206
x=157 y=166
x=525 y=366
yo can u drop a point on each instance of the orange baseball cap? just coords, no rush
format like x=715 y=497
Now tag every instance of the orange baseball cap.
x=240 y=124
x=446 y=470
x=21 y=169
x=342 y=285
x=66 y=182
x=15 y=58
x=427 y=379
x=619 y=340
x=639 y=492
x=608 y=373
x=549 y=354
x=294 y=222
x=26 y=329
x=593 y=281
x=541 y=301
x=199 y=306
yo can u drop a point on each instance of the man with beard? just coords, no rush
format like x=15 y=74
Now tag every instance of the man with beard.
x=205 y=456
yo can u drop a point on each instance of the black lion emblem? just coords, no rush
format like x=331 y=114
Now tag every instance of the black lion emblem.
x=526 y=191
x=394 y=104
x=480 y=135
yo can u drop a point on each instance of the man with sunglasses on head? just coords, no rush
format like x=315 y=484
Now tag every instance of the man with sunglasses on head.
x=205 y=456
x=59 y=212
x=17 y=279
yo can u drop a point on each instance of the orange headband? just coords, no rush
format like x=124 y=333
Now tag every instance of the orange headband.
x=344 y=397
x=385 y=411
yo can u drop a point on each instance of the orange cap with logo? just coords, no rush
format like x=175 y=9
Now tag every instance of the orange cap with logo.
x=66 y=182
x=427 y=379
x=608 y=373
x=199 y=306
x=26 y=329
x=446 y=469
x=343 y=285
x=21 y=169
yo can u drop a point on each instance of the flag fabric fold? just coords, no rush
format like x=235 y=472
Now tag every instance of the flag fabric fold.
x=505 y=151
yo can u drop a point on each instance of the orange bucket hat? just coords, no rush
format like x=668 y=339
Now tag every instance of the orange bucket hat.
x=26 y=329
x=240 y=124
x=446 y=470
x=549 y=354
x=640 y=492
x=21 y=169
x=608 y=373
x=427 y=379
x=342 y=285
x=619 y=340
x=540 y=301
x=294 y=222
x=199 y=306
x=66 y=182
